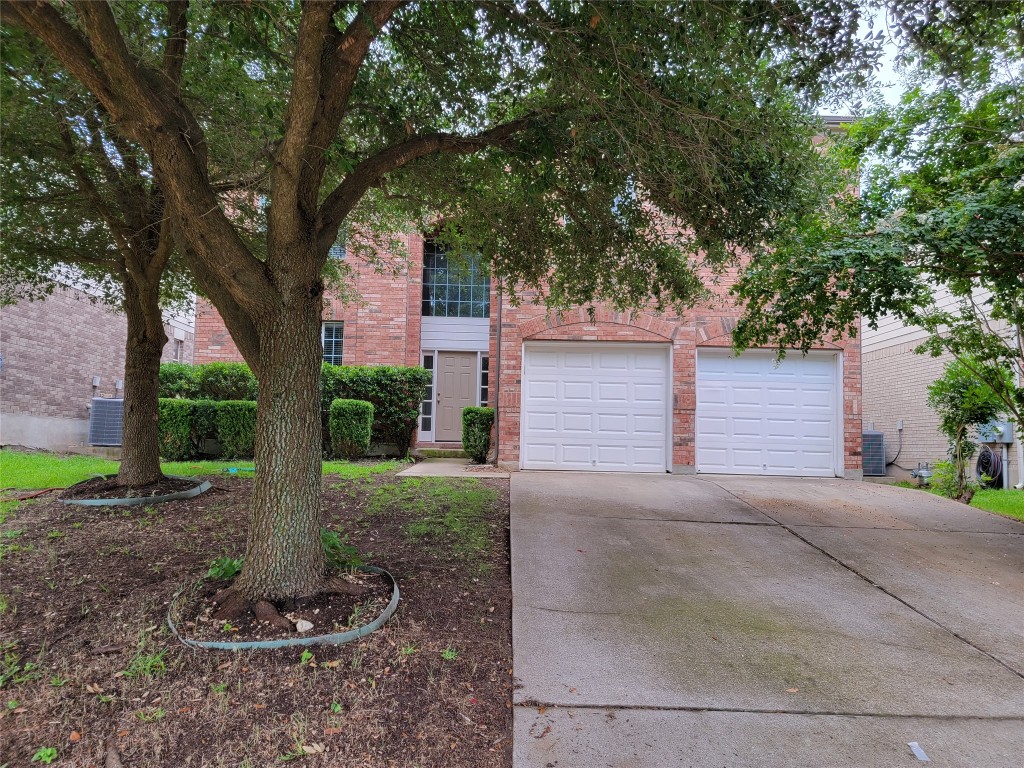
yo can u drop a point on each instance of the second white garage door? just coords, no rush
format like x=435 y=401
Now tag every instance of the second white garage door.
x=595 y=406
x=757 y=418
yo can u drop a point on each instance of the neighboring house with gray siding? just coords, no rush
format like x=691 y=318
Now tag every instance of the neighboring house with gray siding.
x=52 y=351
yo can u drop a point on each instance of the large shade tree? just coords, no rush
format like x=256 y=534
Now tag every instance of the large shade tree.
x=79 y=206
x=588 y=149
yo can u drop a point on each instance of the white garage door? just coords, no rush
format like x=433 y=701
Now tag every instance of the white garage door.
x=756 y=418
x=595 y=406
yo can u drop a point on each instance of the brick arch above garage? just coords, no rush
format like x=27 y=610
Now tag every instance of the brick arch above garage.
x=716 y=331
x=605 y=325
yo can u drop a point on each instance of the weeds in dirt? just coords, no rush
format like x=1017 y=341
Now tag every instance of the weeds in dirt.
x=45 y=755
x=6 y=606
x=146 y=665
x=449 y=654
x=340 y=553
x=13 y=669
x=448 y=513
x=151 y=715
x=408 y=650
x=224 y=567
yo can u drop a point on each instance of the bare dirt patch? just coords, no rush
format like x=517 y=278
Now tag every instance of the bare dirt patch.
x=88 y=664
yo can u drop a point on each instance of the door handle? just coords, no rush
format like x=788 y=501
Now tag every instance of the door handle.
x=438 y=397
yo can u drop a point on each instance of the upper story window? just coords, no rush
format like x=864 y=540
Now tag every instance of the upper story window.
x=333 y=336
x=454 y=287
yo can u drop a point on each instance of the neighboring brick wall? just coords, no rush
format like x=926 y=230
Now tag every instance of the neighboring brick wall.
x=53 y=348
x=896 y=387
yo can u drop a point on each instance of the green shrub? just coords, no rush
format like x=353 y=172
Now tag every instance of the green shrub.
x=175 y=428
x=178 y=380
x=204 y=422
x=394 y=391
x=225 y=381
x=350 y=428
x=184 y=425
x=236 y=428
x=476 y=432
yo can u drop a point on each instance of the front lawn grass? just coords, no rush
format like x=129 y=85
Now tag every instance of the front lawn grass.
x=25 y=471
x=1008 y=503
x=449 y=514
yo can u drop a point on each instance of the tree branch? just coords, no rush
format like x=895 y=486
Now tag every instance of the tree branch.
x=43 y=20
x=369 y=172
x=177 y=40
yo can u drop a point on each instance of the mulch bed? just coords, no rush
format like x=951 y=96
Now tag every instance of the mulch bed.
x=328 y=613
x=108 y=488
x=89 y=668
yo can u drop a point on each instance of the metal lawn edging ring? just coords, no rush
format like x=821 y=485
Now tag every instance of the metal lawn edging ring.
x=203 y=487
x=335 y=638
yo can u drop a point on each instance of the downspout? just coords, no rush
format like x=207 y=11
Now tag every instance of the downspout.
x=496 y=373
x=1018 y=433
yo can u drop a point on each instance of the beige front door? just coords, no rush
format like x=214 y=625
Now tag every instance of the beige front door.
x=456 y=389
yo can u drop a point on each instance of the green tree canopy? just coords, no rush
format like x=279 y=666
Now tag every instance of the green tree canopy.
x=933 y=236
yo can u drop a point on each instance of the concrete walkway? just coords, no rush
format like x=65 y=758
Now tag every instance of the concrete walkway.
x=674 y=621
x=452 y=468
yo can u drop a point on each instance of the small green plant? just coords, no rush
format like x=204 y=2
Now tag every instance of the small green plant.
x=219 y=687
x=307 y=657
x=53 y=535
x=151 y=715
x=45 y=755
x=14 y=671
x=5 y=605
x=147 y=665
x=449 y=654
x=335 y=708
x=228 y=627
x=963 y=401
x=58 y=682
x=338 y=551
x=408 y=650
x=13 y=704
x=224 y=567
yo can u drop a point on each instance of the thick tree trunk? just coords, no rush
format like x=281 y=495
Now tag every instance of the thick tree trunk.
x=140 y=444
x=284 y=557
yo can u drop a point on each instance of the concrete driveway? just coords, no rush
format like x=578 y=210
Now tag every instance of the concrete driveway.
x=738 y=621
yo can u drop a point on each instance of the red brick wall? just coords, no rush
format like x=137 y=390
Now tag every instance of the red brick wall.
x=383 y=327
x=700 y=327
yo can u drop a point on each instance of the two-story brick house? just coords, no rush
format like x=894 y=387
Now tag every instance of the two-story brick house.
x=637 y=392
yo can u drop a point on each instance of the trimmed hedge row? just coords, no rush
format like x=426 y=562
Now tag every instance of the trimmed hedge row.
x=395 y=392
x=476 y=432
x=185 y=425
x=350 y=428
x=209 y=381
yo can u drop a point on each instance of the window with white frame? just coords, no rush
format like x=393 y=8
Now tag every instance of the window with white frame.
x=333 y=337
x=427 y=406
x=484 y=380
x=454 y=287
